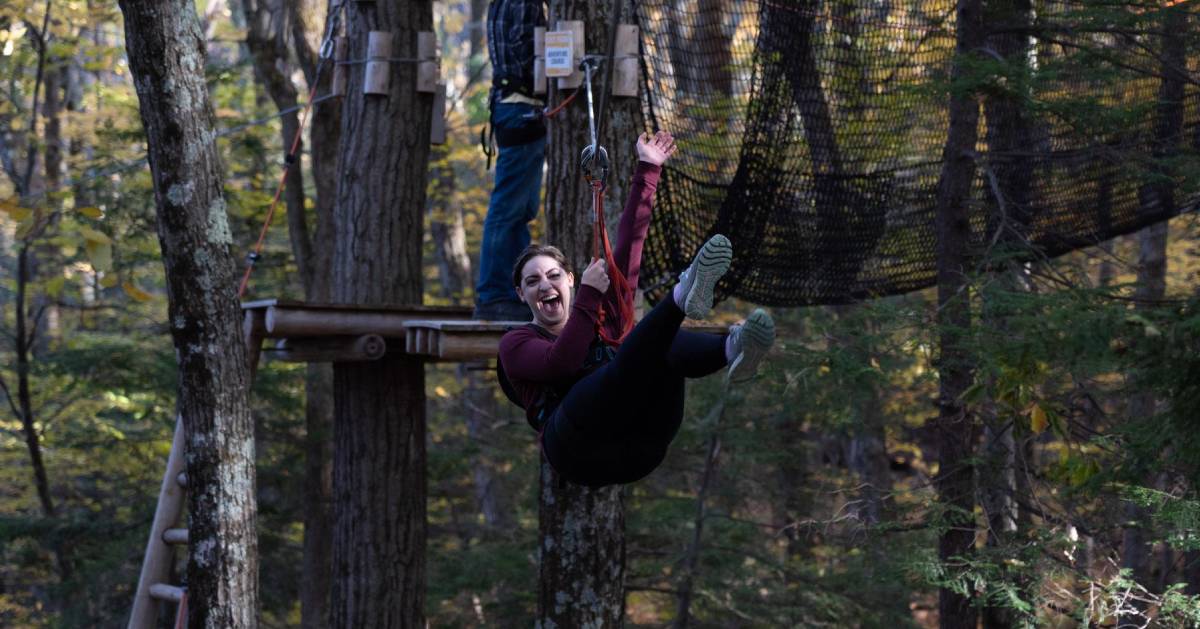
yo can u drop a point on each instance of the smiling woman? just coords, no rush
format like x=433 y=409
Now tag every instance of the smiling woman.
x=606 y=416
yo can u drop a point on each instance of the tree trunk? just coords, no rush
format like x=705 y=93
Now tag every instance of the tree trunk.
x=271 y=24
x=1156 y=196
x=581 y=580
x=379 y=426
x=582 y=563
x=24 y=396
x=166 y=55
x=954 y=427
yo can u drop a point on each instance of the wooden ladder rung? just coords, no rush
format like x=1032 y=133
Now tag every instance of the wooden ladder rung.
x=164 y=592
x=175 y=536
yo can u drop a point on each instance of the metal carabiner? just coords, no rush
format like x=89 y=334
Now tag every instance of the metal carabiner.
x=594 y=157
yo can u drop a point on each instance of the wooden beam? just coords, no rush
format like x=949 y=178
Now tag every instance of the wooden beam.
x=254 y=330
x=288 y=320
x=164 y=592
x=329 y=349
x=178 y=537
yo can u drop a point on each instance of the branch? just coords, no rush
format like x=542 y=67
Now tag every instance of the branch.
x=8 y=396
x=31 y=155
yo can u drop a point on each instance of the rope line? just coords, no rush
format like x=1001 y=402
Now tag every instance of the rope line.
x=256 y=254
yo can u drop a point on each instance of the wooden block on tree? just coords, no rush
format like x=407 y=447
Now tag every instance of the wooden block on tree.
x=437 y=126
x=539 y=60
x=578 y=34
x=625 y=69
x=427 y=69
x=341 y=46
x=378 y=76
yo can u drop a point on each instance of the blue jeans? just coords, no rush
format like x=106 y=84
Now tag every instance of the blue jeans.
x=516 y=198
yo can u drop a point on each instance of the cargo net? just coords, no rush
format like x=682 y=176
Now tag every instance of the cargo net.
x=813 y=134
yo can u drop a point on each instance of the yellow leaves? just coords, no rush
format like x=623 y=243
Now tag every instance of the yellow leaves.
x=90 y=211
x=225 y=112
x=134 y=291
x=93 y=235
x=440 y=392
x=108 y=281
x=100 y=254
x=1038 y=421
x=54 y=286
x=14 y=211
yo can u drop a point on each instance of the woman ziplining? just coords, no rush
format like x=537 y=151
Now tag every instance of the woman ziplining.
x=607 y=417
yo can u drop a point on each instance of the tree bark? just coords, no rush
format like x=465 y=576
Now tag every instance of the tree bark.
x=954 y=428
x=166 y=56
x=582 y=554
x=1152 y=260
x=379 y=425
x=271 y=25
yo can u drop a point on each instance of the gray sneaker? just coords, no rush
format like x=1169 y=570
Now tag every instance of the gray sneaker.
x=701 y=277
x=751 y=341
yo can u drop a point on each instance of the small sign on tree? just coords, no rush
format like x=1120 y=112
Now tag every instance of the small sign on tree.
x=560 y=48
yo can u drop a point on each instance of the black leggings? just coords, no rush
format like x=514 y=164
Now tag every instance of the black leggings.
x=615 y=424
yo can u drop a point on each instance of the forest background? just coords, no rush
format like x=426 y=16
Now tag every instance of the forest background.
x=806 y=499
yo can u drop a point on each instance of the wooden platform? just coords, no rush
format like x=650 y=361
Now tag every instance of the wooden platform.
x=306 y=332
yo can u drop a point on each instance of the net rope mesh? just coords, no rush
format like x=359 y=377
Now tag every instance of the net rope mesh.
x=813 y=131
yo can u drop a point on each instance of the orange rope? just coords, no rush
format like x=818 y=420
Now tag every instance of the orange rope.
x=620 y=285
x=566 y=101
x=181 y=613
x=287 y=164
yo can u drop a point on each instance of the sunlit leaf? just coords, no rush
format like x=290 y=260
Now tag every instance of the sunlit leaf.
x=135 y=292
x=54 y=286
x=14 y=211
x=90 y=211
x=93 y=235
x=100 y=254
x=1037 y=419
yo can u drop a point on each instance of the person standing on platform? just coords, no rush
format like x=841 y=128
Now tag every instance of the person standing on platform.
x=520 y=133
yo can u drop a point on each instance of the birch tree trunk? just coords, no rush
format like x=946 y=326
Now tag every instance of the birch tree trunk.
x=379 y=419
x=954 y=427
x=166 y=56
x=582 y=554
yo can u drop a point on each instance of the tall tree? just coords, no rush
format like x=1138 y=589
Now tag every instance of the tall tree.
x=276 y=35
x=1011 y=176
x=379 y=418
x=1157 y=193
x=954 y=428
x=165 y=44
x=582 y=563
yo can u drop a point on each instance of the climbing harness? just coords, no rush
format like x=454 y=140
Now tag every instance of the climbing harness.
x=594 y=164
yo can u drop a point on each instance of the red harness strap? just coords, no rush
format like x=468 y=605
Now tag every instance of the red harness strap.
x=620 y=285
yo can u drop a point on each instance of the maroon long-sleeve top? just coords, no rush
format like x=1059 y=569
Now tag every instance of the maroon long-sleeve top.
x=534 y=362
